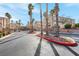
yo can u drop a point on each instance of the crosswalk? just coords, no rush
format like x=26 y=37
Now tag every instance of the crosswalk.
x=31 y=45
x=46 y=49
x=52 y=49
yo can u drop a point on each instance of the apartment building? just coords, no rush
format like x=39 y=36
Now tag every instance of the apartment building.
x=52 y=22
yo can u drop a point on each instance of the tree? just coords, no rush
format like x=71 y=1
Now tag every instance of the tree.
x=41 y=19
x=33 y=23
x=44 y=14
x=12 y=21
x=9 y=17
x=52 y=13
x=30 y=7
x=19 y=24
x=77 y=25
x=67 y=26
x=47 y=19
x=16 y=25
x=56 y=13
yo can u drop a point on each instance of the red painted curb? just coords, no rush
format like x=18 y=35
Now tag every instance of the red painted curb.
x=55 y=41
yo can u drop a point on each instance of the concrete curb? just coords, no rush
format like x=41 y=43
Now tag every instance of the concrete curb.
x=6 y=36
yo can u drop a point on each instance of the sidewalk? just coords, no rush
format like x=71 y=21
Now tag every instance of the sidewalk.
x=6 y=36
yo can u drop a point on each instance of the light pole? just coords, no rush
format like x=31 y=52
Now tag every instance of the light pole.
x=56 y=12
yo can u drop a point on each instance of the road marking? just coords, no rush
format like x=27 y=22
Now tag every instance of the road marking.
x=46 y=49
x=76 y=54
x=37 y=53
x=62 y=50
x=53 y=48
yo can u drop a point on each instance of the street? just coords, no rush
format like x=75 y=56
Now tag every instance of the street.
x=24 y=44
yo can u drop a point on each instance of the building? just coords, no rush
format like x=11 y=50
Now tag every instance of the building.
x=12 y=26
x=15 y=26
x=52 y=22
x=4 y=22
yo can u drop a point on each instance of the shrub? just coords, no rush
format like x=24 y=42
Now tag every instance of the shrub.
x=77 y=25
x=67 y=26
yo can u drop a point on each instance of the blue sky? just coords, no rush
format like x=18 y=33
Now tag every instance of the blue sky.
x=20 y=11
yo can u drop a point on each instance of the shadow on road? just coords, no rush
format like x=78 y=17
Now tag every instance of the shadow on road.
x=37 y=53
x=53 y=48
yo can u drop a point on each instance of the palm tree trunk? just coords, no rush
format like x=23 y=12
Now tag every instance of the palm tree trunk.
x=19 y=26
x=41 y=20
x=57 y=29
x=3 y=27
x=8 y=28
x=57 y=26
x=52 y=22
x=47 y=19
x=31 y=24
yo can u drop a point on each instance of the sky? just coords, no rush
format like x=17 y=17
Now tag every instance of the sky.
x=20 y=11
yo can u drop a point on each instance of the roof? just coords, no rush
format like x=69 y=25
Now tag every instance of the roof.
x=3 y=18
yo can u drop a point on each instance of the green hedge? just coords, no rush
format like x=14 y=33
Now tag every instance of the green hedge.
x=77 y=25
x=67 y=26
x=1 y=35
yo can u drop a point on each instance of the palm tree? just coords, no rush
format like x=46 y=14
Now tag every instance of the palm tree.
x=3 y=28
x=9 y=17
x=57 y=26
x=52 y=14
x=47 y=19
x=44 y=14
x=30 y=7
x=12 y=21
x=41 y=19
x=12 y=24
x=19 y=24
x=16 y=25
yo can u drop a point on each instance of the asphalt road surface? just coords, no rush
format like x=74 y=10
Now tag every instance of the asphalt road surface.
x=24 y=44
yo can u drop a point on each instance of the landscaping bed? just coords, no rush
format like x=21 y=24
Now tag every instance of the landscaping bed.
x=67 y=41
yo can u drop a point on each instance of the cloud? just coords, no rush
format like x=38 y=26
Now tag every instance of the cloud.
x=18 y=11
x=36 y=11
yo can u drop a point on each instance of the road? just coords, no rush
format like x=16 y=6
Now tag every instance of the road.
x=24 y=44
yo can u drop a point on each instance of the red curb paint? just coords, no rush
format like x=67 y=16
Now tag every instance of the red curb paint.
x=57 y=42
